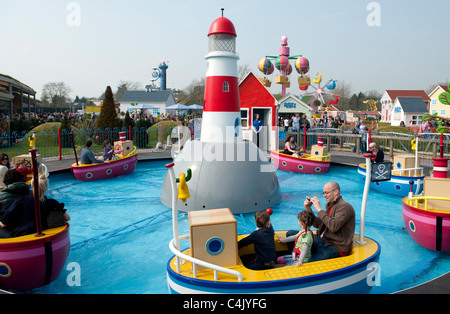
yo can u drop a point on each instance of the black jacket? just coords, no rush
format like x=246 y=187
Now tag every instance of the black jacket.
x=264 y=242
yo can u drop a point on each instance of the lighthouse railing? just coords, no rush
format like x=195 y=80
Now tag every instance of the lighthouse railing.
x=199 y=262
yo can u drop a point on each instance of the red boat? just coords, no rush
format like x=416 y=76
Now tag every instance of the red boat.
x=30 y=262
x=305 y=164
x=118 y=167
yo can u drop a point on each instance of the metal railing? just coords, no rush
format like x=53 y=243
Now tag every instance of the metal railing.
x=340 y=142
x=195 y=262
x=55 y=143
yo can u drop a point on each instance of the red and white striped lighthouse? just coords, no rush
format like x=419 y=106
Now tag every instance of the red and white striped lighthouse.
x=221 y=108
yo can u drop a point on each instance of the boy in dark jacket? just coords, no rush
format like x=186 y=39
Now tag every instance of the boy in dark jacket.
x=15 y=188
x=263 y=239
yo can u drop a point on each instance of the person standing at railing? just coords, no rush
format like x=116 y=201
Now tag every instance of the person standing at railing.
x=425 y=128
x=296 y=122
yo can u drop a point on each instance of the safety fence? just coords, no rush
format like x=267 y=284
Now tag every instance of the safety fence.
x=57 y=144
x=339 y=142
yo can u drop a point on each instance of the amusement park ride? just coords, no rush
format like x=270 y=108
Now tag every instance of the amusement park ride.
x=213 y=263
x=283 y=65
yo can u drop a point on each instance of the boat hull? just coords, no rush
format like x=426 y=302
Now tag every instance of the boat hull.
x=28 y=262
x=351 y=274
x=429 y=229
x=398 y=185
x=299 y=164
x=105 y=170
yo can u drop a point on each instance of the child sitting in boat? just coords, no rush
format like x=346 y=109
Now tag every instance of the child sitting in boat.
x=303 y=241
x=290 y=148
x=21 y=166
x=263 y=239
x=108 y=151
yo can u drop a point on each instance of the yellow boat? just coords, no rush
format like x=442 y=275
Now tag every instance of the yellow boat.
x=213 y=263
x=355 y=273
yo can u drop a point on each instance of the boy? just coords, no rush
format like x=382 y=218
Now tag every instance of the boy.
x=263 y=239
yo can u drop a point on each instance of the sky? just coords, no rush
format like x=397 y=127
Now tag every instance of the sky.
x=90 y=44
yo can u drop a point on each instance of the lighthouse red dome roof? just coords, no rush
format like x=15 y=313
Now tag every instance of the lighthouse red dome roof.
x=222 y=25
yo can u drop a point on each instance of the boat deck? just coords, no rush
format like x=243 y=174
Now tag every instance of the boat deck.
x=359 y=253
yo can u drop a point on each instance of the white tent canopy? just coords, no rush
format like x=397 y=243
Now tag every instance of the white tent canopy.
x=195 y=107
x=178 y=107
x=143 y=106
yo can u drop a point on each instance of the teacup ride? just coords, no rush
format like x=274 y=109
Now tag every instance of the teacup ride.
x=123 y=163
x=318 y=162
x=405 y=169
x=213 y=263
x=35 y=260
x=427 y=217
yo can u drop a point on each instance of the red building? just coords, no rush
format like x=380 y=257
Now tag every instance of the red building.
x=256 y=99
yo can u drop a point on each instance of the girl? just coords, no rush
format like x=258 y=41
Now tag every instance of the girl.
x=303 y=243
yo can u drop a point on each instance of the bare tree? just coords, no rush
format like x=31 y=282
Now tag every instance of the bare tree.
x=125 y=86
x=56 y=94
x=193 y=93
x=243 y=70
x=343 y=89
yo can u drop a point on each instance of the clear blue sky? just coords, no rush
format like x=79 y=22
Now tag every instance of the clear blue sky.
x=123 y=40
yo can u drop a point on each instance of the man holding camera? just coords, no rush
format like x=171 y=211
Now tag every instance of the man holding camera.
x=335 y=224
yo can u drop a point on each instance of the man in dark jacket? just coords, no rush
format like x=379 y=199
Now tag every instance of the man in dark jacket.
x=377 y=154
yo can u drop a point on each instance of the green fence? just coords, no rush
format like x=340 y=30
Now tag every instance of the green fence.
x=56 y=144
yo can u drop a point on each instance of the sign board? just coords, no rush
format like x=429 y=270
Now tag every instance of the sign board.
x=381 y=171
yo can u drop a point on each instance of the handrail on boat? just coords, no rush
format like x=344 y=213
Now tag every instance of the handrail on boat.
x=418 y=170
x=416 y=200
x=196 y=262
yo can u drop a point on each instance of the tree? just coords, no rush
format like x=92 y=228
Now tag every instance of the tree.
x=344 y=89
x=193 y=93
x=125 y=86
x=56 y=94
x=108 y=115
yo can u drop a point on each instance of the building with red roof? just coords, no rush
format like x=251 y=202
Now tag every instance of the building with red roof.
x=256 y=99
x=389 y=97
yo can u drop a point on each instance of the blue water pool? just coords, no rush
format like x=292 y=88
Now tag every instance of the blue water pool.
x=120 y=230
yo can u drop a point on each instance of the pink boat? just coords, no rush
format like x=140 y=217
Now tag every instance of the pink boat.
x=427 y=226
x=114 y=168
x=30 y=262
x=304 y=164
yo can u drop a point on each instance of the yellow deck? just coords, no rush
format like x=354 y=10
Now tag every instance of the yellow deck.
x=359 y=253
x=32 y=237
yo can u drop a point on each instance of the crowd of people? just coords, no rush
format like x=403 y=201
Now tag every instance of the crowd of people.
x=300 y=121
x=17 y=215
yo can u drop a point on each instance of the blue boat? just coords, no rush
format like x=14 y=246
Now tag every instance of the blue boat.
x=399 y=184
